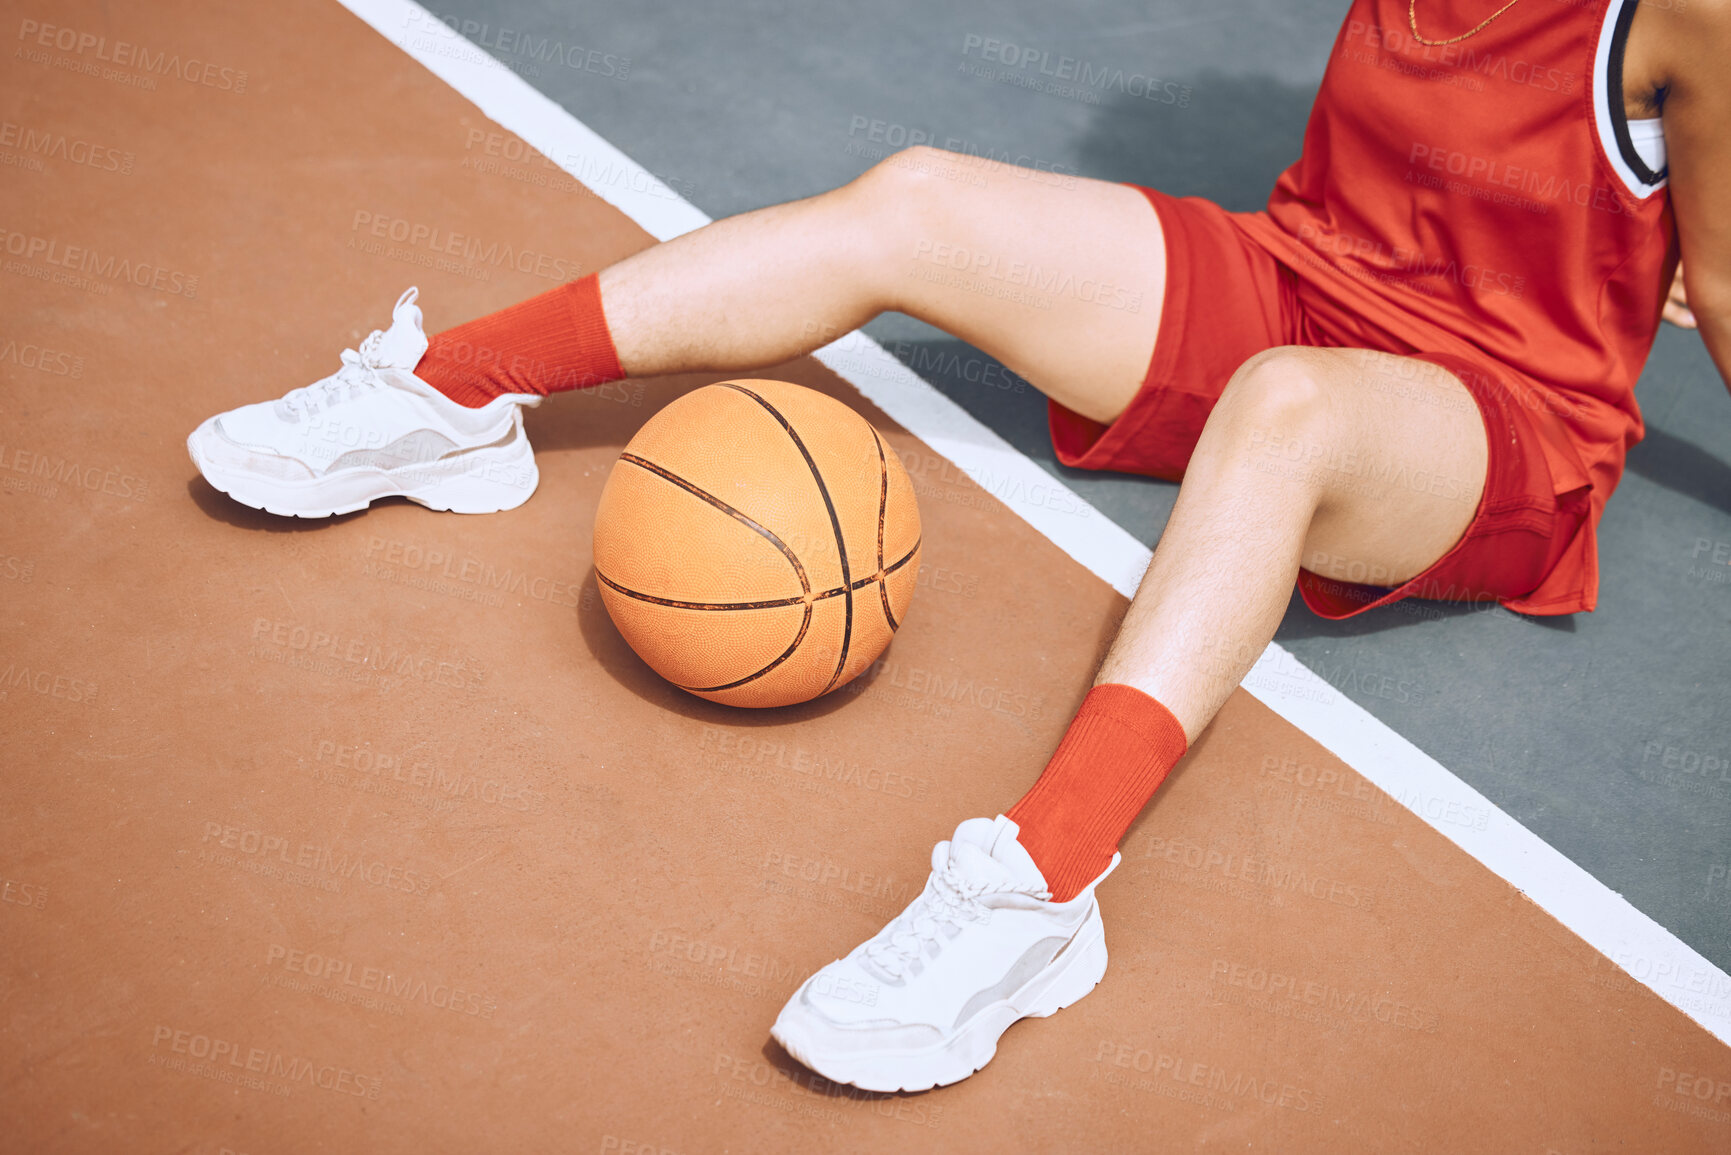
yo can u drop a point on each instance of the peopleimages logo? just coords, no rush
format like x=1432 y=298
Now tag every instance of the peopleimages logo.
x=524 y=45
x=121 y=53
x=462 y=246
x=262 y=846
x=1496 y=180
x=52 y=251
x=385 y=555
x=1068 y=76
x=1043 y=283
x=266 y=1062
x=27 y=355
x=363 y=655
x=56 y=471
x=1396 y=259
x=382 y=980
x=59 y=146
x=1467 y=60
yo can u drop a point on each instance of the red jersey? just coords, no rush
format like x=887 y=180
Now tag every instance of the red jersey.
x=1484 y=199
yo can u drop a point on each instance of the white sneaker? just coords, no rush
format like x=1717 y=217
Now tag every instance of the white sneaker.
x=923 y=1002
x=372 y=429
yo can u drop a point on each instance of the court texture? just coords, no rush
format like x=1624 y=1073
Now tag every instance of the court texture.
x=373 y=835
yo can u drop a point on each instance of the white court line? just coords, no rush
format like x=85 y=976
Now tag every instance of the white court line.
x=1650 y=953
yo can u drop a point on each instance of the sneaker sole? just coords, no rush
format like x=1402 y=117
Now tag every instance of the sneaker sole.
x=489 y=479
x=1065 y=980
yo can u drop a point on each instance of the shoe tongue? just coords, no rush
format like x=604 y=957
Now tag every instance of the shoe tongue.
x=987 y=849
x=404 y=343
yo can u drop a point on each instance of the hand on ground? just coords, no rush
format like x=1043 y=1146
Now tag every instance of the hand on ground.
x=1677 y=305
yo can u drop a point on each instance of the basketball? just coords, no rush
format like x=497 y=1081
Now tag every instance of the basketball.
x=757 y=543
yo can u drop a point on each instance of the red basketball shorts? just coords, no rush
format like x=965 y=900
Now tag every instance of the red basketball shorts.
x=1227 y=299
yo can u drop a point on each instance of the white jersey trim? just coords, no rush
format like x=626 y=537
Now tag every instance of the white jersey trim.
x=1602 y=112
x=1648 y=137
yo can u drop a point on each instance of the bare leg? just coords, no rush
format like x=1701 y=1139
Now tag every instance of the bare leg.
x=980 y=250
x=1059 y=278
x=761 y=288
x=1247 y=517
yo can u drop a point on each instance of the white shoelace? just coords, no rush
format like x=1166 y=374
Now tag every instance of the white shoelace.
x=356 y=376
x=952 y=900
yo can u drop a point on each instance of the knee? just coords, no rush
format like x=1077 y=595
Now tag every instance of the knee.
x=908 y=185
x=1278 y=394
x=915 y=167
x=905 y=209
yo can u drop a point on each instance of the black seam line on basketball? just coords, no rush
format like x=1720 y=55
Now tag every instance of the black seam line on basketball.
x=834 y=524
x=676 y=603
x=883 y=504
x=767 y=533
x=771 y=604
x=804 y=625
x=887 y=570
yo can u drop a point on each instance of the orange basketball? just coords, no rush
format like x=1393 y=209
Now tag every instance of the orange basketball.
x=757 y=543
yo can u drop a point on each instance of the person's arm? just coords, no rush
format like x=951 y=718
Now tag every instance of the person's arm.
x=1697 y=112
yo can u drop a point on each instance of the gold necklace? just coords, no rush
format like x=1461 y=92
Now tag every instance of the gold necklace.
x=1412 y=20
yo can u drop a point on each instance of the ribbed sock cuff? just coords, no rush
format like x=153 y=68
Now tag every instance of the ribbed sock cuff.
x=1118 y=749
x=550 y=343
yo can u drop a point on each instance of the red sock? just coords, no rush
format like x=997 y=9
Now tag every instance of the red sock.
x=547 y=344
x=1113 y=757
